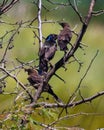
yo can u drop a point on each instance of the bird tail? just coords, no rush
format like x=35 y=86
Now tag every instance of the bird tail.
x=50 y=91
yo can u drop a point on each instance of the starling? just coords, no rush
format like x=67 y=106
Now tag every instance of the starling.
x=47 y=52
x=35 y=79
x=64 y=37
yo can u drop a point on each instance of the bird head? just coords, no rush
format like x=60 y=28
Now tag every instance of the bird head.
x=51 y=38
x=30 y=71
x=64 y=25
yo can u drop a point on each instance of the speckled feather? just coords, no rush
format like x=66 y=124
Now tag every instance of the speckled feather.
x=35 y=79
x=64 y=37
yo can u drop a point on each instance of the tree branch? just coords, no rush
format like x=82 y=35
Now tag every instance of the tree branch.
x=39 y=24
x=9 y=42
x=74 y=116
x=74 y=48
x=5 y=8
x=77 y=12
x=83 y=77
x=96 y=13
x=20 y=83
x=73 y=104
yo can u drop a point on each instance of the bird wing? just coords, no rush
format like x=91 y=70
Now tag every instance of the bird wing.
x=34 y=79
x=65 y=35
x=50 y=52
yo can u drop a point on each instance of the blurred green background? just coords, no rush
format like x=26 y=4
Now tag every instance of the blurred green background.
x=25 y=50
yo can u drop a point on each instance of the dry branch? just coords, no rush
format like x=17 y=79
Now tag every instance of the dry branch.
x=73 y=104
x=20 y=83
x=9 y=42
x=40 y=23
x=5 y=7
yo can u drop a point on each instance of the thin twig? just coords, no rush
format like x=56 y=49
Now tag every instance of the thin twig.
x=17 y=67
x=81 y=80
x=86 y=72
x=73 y=104
x=74 y=116
x=76 y=10
x=20 y=83
x=5 y=7
x=96 y=13
x=9 y=42
x=58 y=3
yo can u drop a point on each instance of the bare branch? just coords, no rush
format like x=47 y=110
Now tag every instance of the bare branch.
x=39 y=24
x=37 y=94
x=44 y=125
x=79 y=85
x=96 y=13
x=73 y=104
x=74 y=116
x=58 y=3
x=5 y=7
x=20 y=83
x=17 y=67
x=9 y=42
x=2 y=38
x=40 y=88
x=76 y=10
x=83 y=77
x=89 y=15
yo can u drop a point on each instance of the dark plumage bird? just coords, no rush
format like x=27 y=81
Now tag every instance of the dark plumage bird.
x=35 y=79
x=64 y=37
x=47 y=52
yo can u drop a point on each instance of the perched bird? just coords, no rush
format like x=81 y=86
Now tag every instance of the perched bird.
x=64 y=37
x=47 y=52
x=35 y=79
